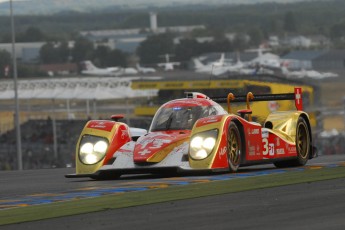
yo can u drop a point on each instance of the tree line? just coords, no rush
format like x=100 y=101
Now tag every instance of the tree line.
x=257 y=21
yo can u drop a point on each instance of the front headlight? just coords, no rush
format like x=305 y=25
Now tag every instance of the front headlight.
x=92 y=149
x=202 y=144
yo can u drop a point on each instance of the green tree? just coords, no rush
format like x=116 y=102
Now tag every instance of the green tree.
x=83 y=50
x=117 y=58
x=240 y=42
x=101 y=55
x=154 y=47
x=49 y=53
x=54 y=52
x=186 y=49
x=337 y=31
x=32 y=34
x=290 y=22
x=64 y=52
x=256 y=36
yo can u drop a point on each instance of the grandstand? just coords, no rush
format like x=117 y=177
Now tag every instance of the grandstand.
x=42 y=100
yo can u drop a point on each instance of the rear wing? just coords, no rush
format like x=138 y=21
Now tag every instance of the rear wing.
x=296 y=95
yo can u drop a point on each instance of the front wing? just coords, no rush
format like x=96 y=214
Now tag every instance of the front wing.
x=122 y=163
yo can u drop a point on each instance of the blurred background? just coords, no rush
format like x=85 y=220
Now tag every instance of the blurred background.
x=90 y=59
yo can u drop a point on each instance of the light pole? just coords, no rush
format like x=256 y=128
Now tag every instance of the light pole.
x=16 y=113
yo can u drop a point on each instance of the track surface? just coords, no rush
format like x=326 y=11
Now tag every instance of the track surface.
x=30 y=182
x=317 y=205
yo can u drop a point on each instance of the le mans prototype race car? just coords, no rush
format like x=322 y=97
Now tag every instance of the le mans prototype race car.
x=196 y=134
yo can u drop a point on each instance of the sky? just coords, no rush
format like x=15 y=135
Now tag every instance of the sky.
x=37 y=7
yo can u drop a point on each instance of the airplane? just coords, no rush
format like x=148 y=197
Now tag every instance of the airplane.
x=167 y=65
x=90 y=69
x=209 y=67
x=265 y=60
x=307 y=73
x=220 y=67
x=145 y=70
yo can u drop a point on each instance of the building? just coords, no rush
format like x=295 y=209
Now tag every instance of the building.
x=25 y=51
x=320 y=60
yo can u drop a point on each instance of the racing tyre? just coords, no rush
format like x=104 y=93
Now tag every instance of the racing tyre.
x=234 y=147
x=303 y=141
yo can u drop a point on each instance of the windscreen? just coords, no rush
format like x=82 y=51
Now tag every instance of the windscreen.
x=181 y=118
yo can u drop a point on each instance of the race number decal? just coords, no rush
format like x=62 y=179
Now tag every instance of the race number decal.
x=268 y=148
x=265 y=145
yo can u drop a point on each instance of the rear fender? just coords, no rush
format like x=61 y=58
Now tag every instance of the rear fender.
x=284 y=124
x=116 y=133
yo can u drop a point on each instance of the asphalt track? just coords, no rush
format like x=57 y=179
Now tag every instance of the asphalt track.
x=317 y=205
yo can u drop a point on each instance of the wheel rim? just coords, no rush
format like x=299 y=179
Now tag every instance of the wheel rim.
x=302 y=140
x=234 y=148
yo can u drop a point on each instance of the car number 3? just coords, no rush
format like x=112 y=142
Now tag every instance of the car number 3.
x=268 y=148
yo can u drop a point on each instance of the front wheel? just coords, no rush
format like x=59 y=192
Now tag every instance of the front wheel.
x=234 y=147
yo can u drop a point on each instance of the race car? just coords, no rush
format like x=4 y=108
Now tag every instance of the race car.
x=195 y=134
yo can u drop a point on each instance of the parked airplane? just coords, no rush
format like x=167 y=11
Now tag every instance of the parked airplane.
x=220 y=67
x=265 y=60
x=167 y=65
x=308 y=73
x=90 y=69
x=145 y=69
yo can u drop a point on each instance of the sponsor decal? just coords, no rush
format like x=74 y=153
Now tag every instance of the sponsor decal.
x=251 y=151
x=264 y=133
x=277 y=141
x=271 y=149
x=273 y=106
x=268 y=148
x=254 y=131
x=144 y=152
x=183 y=148
x=102 y=125
x=124 y=134
x=156 y=143
x=292 y=150
x=280 y=151
x=209 y=120
x=222 y=152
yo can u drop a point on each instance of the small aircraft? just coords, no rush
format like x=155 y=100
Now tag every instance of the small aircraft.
x=220 y=67
x=145 y=70
x=90 y=69
x=308 y=74
x=167 y=65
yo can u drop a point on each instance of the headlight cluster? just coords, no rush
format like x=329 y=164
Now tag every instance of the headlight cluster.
x=92 y=149
x=202 y=144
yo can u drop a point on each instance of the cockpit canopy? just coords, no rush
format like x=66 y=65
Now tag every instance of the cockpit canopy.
x=183 y=113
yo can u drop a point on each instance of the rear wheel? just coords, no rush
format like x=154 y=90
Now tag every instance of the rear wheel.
x=303 y=141
x=234 y=147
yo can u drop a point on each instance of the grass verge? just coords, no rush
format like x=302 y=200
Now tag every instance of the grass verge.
x=67 y=208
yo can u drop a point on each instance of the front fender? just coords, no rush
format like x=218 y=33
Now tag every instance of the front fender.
x=116 y=133
x=217 y=158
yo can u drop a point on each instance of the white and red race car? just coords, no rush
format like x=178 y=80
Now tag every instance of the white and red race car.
x=196 y=134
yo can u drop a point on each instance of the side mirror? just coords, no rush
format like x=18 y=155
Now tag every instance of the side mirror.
x=117 y=117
